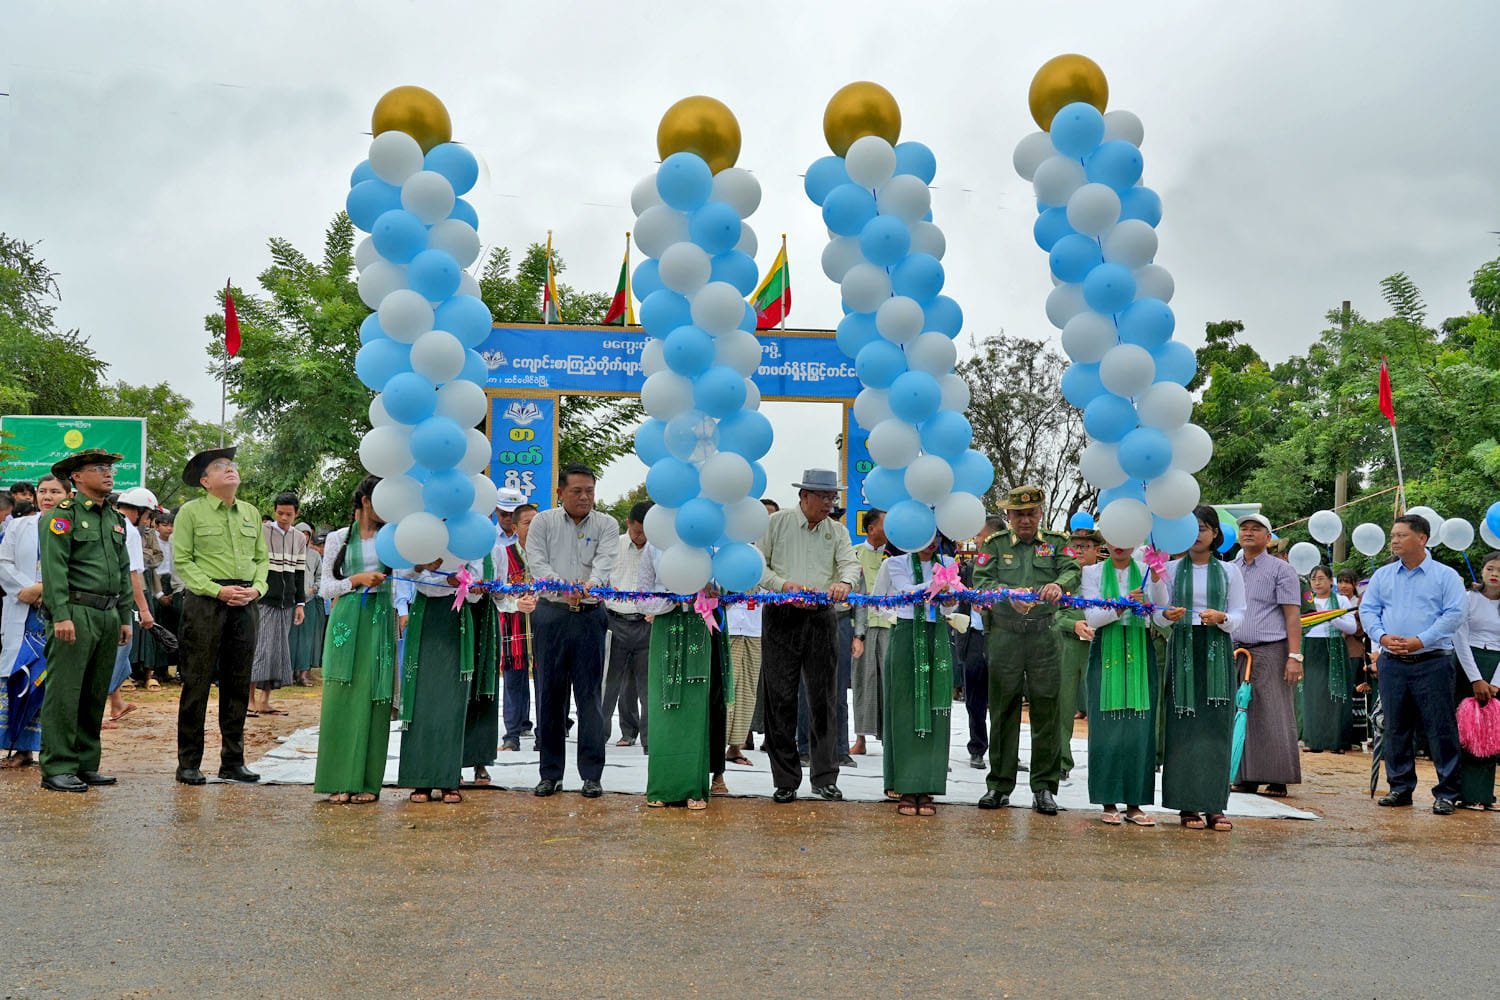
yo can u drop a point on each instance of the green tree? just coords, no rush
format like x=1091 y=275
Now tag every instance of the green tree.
x=43 y=370
x=619 y=508
x=172 y=434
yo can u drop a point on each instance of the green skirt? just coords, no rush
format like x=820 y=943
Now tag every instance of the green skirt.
x=432 y=745
x=914 y=764
x=1195 y=773
x=1325 y=722
x=681 y=758
x=1122 y=751
x=482 y=714
x=306 y=640
x=354 y=732
x=1476 y=779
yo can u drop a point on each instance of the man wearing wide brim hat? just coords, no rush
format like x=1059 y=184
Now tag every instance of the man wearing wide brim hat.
x=1024 y=647
x=86 y=592
x=805 y=549
x=1074 y=636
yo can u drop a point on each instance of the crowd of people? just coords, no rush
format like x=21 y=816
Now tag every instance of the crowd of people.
x=103 y=591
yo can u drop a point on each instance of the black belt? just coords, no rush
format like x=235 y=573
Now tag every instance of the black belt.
x=233 y=583
x=1415 y=657
x=1024 y=626
x=101 y=602
x=624 y=617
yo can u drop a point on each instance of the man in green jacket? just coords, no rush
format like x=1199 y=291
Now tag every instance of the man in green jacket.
x=1074 y=638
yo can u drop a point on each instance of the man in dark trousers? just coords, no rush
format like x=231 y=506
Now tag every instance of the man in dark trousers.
x=220 y=555
x=86 y=592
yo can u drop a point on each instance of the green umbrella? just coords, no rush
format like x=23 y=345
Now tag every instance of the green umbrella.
x=1241 y=716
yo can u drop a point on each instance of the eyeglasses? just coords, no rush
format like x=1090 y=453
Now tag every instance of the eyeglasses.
x=101 y=469
x=222 y=465
x=826 y=497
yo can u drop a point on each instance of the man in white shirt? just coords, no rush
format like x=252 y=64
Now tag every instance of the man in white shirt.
x=507 y=499
x=629 y=636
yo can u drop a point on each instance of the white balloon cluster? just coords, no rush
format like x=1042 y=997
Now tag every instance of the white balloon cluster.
x=705 y=435
x=1129 y=376
x=1369 y=539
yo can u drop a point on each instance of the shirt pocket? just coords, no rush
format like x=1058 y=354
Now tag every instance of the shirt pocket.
x=85 y=534
x=249 y=531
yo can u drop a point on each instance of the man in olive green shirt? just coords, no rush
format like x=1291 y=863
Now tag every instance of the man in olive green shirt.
x=219 y=553
x=86 y=593
x=1024 y=647
x=1074 y=639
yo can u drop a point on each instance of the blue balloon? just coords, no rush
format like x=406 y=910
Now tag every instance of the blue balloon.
x=823 y=176
x=646 y=279
x=736 y=268
x=409 y=398
x=700 y=521
x=751 y=322
x=1081 y=521
x=973 y=473
x=381 y=360
x=1073 y=257
x=474 y=370
x=471 y=535
x=878 y=363
x=919 y=276
x=715 y=227
x=688 y=350
x=1231 y=536
x=909 y=525
x=438 y=442
x=370 y=329
x=1147 y=323
x=916 y=159
x=455 y=163
x=664 y=311
x=719 y=391
x=738 y=567
x=466 y=317
x=757 y=480
x=434 y=275
x=848 y=208
x=1109 y=418
x=1492 y=518
x=1131 y=489
x=746 y=433
x=385 y=548
x=915 y=396
x=884 y=240
x=1077 y=129
x=1050 y=226
x=1175 y=362
x=1145 y=453
x=1117 y=163
x=362 y=172
x=856 y=330
x=1174 y=535
x=1141 y=203
x=399 y=235
x=672 y=482
x=947 y=434
x=650 y=445
x=464 y=212
x=885 y=487
x=943 y=315
x=684 y=181
x=1109 y=288
x=448 y=492
x=1081 y=385
x=369 y=200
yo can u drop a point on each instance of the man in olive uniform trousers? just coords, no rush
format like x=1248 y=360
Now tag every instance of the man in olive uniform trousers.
x=86 y=591
x=220 y=555
x=1075 y=635
x=1024 y=649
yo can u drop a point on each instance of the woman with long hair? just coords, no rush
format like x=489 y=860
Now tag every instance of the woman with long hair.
x=1327 y=708
x=1478 y=646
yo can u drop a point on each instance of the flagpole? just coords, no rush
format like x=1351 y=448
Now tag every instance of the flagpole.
x=629 y=312
x=224 y=375
x=786 y=282
x=1400 y=479
x=547 y=284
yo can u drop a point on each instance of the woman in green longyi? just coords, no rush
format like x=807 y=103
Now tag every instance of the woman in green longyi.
x=1327 y=709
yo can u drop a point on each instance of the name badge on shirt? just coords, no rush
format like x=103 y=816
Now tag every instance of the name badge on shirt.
x=1007 y=557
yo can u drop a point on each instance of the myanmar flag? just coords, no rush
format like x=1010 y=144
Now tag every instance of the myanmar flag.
x=620 y=310
x=549 y=290
x=773 y=299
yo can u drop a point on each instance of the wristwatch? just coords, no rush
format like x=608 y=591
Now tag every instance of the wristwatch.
x=1294 y=656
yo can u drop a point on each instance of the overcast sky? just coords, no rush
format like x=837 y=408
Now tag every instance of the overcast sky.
x=1302 y=151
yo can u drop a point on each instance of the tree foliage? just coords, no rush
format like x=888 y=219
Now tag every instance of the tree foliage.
x=43 y=370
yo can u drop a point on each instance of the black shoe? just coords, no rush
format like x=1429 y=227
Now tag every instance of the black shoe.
x=64 y=783
x=95 y=778
x=238 y=772
x=1395 y=799
x=784 y=795
x=1443 y=807
x=1065 y=775
x=190 y=776
x=1044 y=803
x=546 y=787
x=592 y=789
x=804 y=759
x=847 y=761
x=829 y=792
x=994 y=800
x=977 y=762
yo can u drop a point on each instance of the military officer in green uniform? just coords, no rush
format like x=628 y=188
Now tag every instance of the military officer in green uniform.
x=86 y=593
x=1024 y=650
x=1074 y=638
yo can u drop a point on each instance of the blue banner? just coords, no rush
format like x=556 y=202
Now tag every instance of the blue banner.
x=859 y=464
x=523 y=443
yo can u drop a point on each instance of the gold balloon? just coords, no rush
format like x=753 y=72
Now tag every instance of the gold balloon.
x=1063 y=80
x=702 y=126
x=857 y=110
x=415 y=111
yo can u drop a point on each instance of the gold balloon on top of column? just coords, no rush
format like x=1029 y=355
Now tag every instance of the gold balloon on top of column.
x=415 y=111
x=1061 y=81
x=857 y=110
x=702 y=126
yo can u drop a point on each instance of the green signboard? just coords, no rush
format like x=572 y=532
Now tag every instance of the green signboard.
x=31 y=445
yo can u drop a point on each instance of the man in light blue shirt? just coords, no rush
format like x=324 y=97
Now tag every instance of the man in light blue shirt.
x=1411 y=610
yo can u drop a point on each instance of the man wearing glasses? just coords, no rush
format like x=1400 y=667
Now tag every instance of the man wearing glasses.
x=805 y=550
x=220 y=555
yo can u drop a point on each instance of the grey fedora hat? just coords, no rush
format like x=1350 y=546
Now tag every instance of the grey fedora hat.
x=820 y=479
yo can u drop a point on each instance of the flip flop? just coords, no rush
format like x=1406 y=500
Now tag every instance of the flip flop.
x=697 y=805
x=1221 y=824
x=741 y=760
x=153 y=685
x=129 y=707
x=1139 y=819
x=1110 y=819
x=272 y=711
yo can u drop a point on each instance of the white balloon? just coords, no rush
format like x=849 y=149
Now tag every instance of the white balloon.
x=468 y=285
x=476 y=452
x=1303 y=557
x=960 y=515
x=1088 y=336
x=726 y=477
x=870 y=161
x=666 y=394
x=658 y=227
x=421 y=537
x=718 y=307
x=1458 y=534
x=1123 y=125
x=457 y=238
x=865 y=287
x=651 y=357
x=927 y=238
x=737 y=188
x=1127 y=370
x=660 y=525
x=386 y=451
x=929 y=479
x=462 y=402
x=1368 y=538
x=437 y=356
x=740 y=350
x=1173 y=494
x=1056 y=178
x=1325 y=527
x=899 y=319
x=1434 y=522
x=379 y=280
x=396 y=497
x=1125 y=523
x=1154 y=282
x=1131 y=243
x=745 y=521
x=684 y=569
x=484 y=494
x=644 y=195
x=1030 y=153
x=1489 y=537
x=894 y=443
x=955 y=392
x=905 y=196
x=405 y=315
x=1191 y=447
x=839 y=255
x=1099 y=464
x=365 y=254
x=1064 y=302
x=1165 y=406
x=1093 y=209
x=872 y=407
x=931 y=352
x=748 y=244
x=684 y=268
x=395 y=156
x=752 y=396
x=378 y=416
x=427 y=195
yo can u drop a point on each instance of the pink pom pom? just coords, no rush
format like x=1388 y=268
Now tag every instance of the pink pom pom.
x=1479 y=727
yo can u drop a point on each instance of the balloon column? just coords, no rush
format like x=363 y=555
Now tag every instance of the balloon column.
x=885 y=254
x=705 y=434
x=417 y=348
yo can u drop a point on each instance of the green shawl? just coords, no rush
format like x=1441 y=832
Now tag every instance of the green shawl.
x=1338 y=653
x=339 y=641
x=1125 y=686
x=686 y=656
x=934 y=673
x=1180 y=645
x=411 y=657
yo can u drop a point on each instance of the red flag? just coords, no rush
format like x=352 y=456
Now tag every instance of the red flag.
x=231 y=324
x=1386 y=405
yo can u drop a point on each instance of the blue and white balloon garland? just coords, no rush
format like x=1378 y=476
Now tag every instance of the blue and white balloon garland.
x=1098 y=225
x=418 y=352
x=885 y=253
x=705 y=435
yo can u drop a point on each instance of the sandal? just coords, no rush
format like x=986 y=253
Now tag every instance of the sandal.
x=129 y=707
x=452 y=797
x=1275 y=791
x=363 y=798
x=1139 y=819
x=891 y=795
x=17 y=758
x=1220 y=824
x=419 y=797
x=1111 y=818
x=624 y=743
x=717 y=787
x=655 y=804
x=697 y=805
x=908 y=806
x=152 y=684
x=481 y=777
x=925 y=806
x=272 y=711
x=739 y=759
x=1191 y=820
x=338 y=798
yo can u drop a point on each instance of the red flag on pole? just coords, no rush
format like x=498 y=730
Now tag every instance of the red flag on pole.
x=231 y=324
x=1386 y=405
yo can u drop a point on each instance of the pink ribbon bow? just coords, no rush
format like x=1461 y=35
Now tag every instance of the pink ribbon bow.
x=465 y=578
x=706 y=606
x=943 y=575
x=1156 y=560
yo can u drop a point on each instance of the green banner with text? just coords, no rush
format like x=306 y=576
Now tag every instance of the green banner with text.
x=31 y=445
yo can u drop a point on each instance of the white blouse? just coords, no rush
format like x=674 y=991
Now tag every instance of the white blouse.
x=1155 y=591
x=895 y=577
x=1347 y=624
x=19 y=565
x=1480 y=630
x=333 y=587
x=646 y=580
x=1234 y=600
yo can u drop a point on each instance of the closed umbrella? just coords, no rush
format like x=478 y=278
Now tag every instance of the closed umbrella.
x=1241 y=715
x=27 y=678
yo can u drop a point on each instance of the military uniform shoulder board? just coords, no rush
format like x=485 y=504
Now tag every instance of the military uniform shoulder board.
x=58 y=524
x=64 y=504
